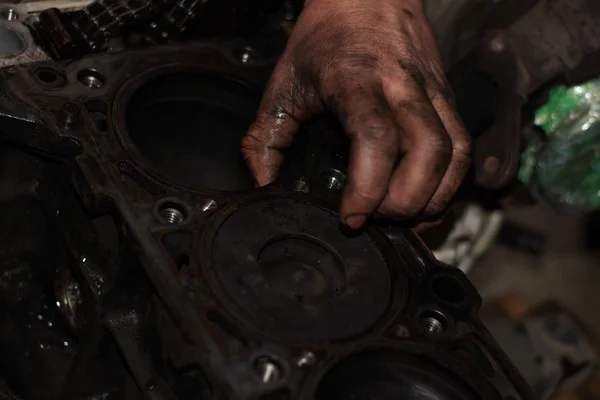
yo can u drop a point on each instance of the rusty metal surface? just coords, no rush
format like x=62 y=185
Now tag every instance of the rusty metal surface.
x=108 y=25
x=23 y=13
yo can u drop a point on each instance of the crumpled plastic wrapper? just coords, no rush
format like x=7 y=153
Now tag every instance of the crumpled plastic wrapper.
x=564 y=169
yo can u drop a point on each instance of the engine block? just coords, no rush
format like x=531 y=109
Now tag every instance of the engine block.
x=141 y=262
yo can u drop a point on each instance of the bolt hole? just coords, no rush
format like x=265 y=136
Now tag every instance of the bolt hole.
x=267 y=369
x=448 y=289
x=432 y=323
x=49 y=76
x=172 y=213
x=91 y=79
x=10 y=14
x=333 y=179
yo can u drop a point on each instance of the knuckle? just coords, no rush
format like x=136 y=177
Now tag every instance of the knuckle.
x=442 y=147
x=373 y=132
x=448 y=94
x=287 y=95
x=437 y=206
x=404 y=210
x=249 y=146
x=365 y=195
x=439 y=89
x=408 y=95
x=463 y=145
x=253 y=141
x=412 y=71
x=357 y=59
x=402 y=206
x=256 y=129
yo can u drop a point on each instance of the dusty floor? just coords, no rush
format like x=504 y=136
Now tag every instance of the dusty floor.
x=565 y=272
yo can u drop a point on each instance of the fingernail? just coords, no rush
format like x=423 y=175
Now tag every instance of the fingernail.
x=355 y=221
x=346 y=230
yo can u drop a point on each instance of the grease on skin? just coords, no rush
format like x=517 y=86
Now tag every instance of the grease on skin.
x=337 y=57
x=408 y=13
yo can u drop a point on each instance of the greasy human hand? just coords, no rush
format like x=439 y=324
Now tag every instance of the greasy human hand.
x=375 y=64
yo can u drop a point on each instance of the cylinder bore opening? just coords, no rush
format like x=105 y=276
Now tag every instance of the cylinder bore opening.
x=390 y=375
x=296 y=276
x=189 y=126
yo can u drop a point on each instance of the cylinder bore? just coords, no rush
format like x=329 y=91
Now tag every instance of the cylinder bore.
x=189 y=126
x=390 y=375
x=293 y=273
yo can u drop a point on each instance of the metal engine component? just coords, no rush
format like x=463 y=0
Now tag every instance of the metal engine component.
x=104 y=24
x=550 y=40
x=144 y=265
x=17 y=45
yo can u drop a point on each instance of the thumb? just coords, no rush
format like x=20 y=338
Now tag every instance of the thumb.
x=282 y=108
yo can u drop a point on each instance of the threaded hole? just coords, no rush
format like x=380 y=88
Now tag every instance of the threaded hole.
x=172 y=216
x=267 y=369
x=172 y=213
x=91 y=79
x=333 y=179
x=432 y=323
